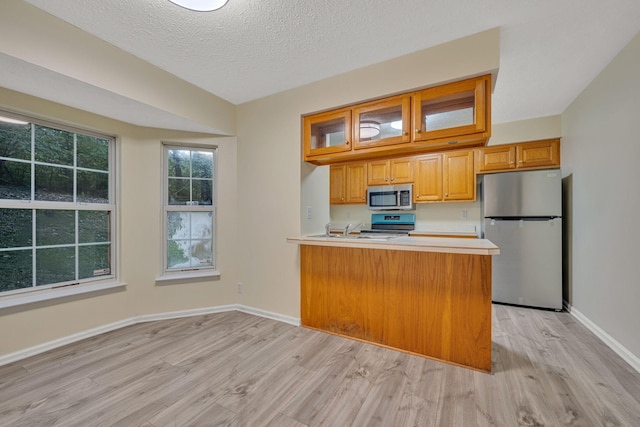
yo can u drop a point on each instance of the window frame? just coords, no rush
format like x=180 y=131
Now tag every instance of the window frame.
x=75 y=286
x=175 y=275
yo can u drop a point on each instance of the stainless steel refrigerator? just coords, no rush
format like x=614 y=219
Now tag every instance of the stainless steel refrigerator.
x=523 y=216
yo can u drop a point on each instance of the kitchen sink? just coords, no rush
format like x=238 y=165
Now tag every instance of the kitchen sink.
x=368 y=237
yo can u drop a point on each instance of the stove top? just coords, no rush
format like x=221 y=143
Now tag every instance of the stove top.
x=391 y=223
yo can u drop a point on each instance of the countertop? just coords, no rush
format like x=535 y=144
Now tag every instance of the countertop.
x=459 y=245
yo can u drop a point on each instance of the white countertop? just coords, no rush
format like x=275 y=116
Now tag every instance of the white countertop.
x=421 y=244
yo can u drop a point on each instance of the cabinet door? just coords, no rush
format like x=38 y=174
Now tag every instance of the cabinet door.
x=499 y=157
x=451 y=110
x=428 y=179
x=327 y=133
x=401 y=170
x=539 y=154
x=378 y=172
x=380 y=123
x=337 y=184
x=356 y=186
x=459 y=178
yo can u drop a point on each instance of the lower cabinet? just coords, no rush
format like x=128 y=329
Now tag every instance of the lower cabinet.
x=446 y=176
x=348 y=183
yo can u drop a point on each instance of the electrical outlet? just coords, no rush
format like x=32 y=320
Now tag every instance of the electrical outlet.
x=465 y=214
x=239 y=287
x=309 y=212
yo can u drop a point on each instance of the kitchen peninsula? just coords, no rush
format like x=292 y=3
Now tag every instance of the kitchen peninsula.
x=424 y=295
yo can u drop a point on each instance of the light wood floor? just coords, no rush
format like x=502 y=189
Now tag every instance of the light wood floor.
x=235 y=369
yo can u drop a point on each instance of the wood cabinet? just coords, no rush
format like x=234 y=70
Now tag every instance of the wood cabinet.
x=390 y=172
x=428 y=182
x=381 y=123
x=450 y=111
x=458 y=176
x=444 y=117
x=348 y=183
x=448 y=176
x=327 y=133
x=541 y=154
x=428 y=303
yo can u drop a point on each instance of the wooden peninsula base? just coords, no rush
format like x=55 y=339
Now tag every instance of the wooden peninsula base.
x=429 y=303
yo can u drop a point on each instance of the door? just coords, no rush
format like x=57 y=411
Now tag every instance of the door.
x=528 y=270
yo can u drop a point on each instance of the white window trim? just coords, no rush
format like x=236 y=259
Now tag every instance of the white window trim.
x=60 y=290
x=48 y=294
x=166 y=277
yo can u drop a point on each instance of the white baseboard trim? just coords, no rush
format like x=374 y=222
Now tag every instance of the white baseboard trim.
x=41 y=348
x=614 y=345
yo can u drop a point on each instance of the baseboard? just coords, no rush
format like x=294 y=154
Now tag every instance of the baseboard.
x=295 y=321
x=41 y=348
x=614 y=345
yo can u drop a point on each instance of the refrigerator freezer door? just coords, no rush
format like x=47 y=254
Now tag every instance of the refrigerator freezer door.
x=528 y=270
x=523 y=194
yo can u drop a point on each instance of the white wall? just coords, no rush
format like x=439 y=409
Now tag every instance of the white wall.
x=600 y=153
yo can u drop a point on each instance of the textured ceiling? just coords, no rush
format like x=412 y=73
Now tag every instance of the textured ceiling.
x=550 y=49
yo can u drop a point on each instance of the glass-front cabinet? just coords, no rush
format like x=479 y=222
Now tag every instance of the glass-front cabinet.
x=452 y=115
x=455 y=109
x=327 y=133
x=383 y=122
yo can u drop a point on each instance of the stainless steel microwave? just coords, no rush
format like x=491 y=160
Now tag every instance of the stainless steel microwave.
x=390 y=197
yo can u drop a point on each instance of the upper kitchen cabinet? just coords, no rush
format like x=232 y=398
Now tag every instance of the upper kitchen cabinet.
x=392 y=171
x=541 y=154
x=327 y=133
x=444 y=117
x=348 y=184
x=455 y=113
x=447 y=176
x=458 y=176
x=381 y=123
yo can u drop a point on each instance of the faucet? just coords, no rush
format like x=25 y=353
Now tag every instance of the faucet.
x=327 y=230
x=350 y=228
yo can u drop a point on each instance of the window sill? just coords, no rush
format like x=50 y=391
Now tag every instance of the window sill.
x=187 y=276
x=52 y=294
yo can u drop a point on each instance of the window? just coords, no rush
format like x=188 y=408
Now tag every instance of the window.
x=57 y=209
x=189 y=209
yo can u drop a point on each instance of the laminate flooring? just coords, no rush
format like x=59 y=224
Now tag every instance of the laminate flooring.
x=236 y=369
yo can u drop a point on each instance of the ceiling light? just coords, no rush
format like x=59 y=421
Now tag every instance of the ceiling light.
x=369 y=129
x=200 y=5
x=13 y=121
x=396 y=124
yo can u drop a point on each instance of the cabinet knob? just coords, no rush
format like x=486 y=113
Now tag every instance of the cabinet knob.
x=393 y=179
x=418 y=130
x=346 y=142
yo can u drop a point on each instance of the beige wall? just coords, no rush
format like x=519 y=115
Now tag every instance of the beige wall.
x=600 y=152
x=526 y=130
x=55 y=48
x=139 y=207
